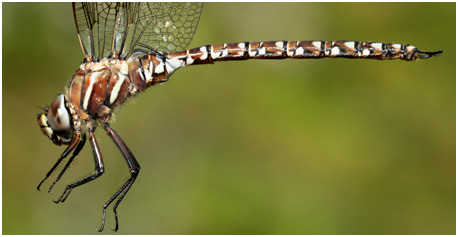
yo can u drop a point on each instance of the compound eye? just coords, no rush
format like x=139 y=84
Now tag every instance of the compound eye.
x=58 y=117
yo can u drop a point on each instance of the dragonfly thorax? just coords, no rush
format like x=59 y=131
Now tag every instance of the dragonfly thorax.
x=98 y=87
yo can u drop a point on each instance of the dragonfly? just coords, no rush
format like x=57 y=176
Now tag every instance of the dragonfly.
x=129 y=47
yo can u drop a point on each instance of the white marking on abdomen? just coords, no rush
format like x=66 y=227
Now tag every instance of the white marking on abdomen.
x=289 y=53
x=350 y=44
x=117 y=87
x=279 y=44
x=159 y=67
x=204 y=56
x=214 y=54
x=88 y=93
x=172 y=64
x=148 y=72
x=252 y=53
x=335 y=51
x=225 y=52
x=317 y=44
x=299 y=51
x=189 y=59
x=377 y=45
x=289 y=50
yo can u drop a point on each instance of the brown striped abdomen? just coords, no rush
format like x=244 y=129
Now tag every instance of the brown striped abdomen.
x=147 y=70
x=300 y=49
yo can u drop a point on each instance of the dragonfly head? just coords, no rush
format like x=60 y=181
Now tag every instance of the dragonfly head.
x=56 y=122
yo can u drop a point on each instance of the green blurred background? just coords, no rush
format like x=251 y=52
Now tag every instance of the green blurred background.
x=331 y=146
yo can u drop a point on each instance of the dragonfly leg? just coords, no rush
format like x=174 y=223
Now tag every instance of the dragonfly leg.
x=75 y=153
x=99 y=169
x=134 y=168
x=76 y=145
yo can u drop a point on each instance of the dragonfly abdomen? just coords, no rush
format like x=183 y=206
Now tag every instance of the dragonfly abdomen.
x=147 y=70
x=299 y=49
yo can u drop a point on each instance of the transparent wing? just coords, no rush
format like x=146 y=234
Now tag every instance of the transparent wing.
x=119 y=29
x=95 y=24
x=166 y=27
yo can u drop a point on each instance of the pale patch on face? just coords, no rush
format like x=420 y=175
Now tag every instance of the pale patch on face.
x=317 y=44
x=279 y=44
x=299 y=51
x=117 y=87
x=47 y=131
x=350 y=44
x=89 y=89
x=335 y=51
x=42 y=121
